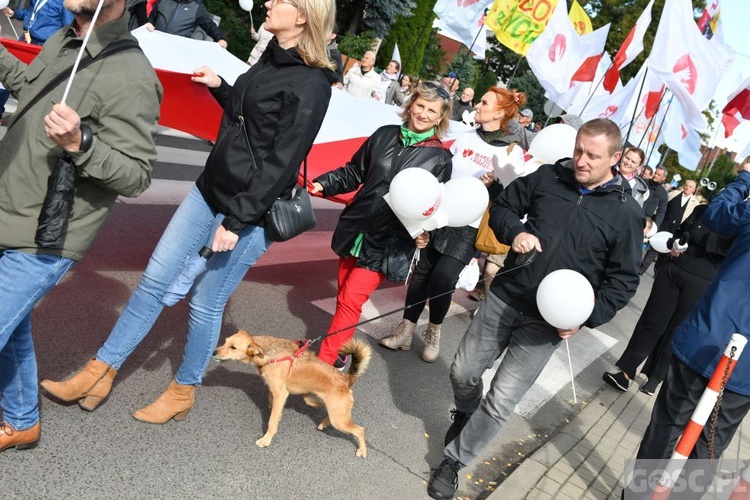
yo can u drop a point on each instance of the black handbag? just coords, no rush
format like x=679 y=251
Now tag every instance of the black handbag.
x=286 y=218
x=289 y=218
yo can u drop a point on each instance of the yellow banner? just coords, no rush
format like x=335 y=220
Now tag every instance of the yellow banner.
x=579 y=18
x=517 y=23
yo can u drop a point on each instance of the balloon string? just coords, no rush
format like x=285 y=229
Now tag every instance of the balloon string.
x=80 y=52
x=12 y=27
x=572 y=379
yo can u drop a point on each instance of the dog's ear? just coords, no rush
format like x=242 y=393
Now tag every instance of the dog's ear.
x=254 y=350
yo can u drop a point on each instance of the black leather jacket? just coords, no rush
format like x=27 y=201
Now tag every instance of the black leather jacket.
x=387 y=247
x=599 y=234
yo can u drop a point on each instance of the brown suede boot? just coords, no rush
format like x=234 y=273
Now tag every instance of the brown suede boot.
x=89 y=387
x=175 y=403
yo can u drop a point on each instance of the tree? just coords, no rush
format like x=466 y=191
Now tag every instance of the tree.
x=412 y=34
x=465 y=68
x=487 y=80
x=236 y=23
x=514 y=70
x=377 y=15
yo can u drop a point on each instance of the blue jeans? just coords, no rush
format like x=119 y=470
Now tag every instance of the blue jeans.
x=24 y=279
x=528 y=343
x=4 y=95
x=192 y=227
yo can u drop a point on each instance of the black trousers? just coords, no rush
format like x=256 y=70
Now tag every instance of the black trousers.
x=650 y=256
x=435 y=276
x=673 y=296
x=673 y=408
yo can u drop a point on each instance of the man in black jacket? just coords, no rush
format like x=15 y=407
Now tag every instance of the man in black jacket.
x=581 y=216
x=655 y=208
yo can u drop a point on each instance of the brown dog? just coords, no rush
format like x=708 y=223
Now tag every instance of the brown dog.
x=305 y=375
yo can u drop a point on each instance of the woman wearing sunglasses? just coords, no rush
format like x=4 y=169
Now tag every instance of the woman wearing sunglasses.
x=452 y=248
x=370 y=241
x=274 y=112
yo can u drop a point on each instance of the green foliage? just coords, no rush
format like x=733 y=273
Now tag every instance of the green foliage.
x=381 y=14
x=722 y=173
x=465 y=68
x=412 y=34
x=355 y=46
x=236 y=23
x=527 y=83
x=434 y=57
x=487 y=80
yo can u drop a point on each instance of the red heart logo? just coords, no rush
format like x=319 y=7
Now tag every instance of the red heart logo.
x=467 y=152
x=429 y=211
x=557 y=49
x=689 y=76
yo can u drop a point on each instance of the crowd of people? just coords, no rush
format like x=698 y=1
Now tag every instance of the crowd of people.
x=589 y=212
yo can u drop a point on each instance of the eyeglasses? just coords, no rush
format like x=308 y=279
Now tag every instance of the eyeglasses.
x=437 y=88
x=274 y=3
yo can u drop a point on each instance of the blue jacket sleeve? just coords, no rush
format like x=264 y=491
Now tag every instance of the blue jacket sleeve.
x=729 y=211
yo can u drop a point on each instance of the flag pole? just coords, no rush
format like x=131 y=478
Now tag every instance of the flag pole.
x=637 y=100
x=597 y=86
x=514 y=71
x=652 y=122
x=661 y=128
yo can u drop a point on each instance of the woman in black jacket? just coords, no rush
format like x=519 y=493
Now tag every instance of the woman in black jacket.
x=371 y=242
x=451 y=248
x=287 y=90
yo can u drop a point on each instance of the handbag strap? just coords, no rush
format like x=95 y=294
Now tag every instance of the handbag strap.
x=112 y=48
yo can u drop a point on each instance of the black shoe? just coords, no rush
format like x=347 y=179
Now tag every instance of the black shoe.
x=459 y=422
x=444 y=480
x=649 y=388
x=617 y=381
x=340 y=362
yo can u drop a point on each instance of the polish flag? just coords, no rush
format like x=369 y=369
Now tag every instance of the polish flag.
x=689 y=64
x=590 y=50
x=614 y=106
x=630 y=48
x=737 y=109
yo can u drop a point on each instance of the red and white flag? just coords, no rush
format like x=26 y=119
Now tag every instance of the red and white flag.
x=680 y=136
x=737 y=109
x=464 y=18
x=590 y=49
x=614 y=106
x=630 y=48
x=688 y=63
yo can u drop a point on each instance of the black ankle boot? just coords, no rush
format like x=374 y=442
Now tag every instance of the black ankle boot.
x=459 y=422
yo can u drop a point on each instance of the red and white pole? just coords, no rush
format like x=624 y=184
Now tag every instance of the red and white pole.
x=699 y=418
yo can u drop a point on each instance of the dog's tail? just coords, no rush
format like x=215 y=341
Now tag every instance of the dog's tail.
x=361 y=354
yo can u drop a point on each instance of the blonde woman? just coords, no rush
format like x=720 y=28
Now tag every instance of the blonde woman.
x=275 y=110
x=370 y=241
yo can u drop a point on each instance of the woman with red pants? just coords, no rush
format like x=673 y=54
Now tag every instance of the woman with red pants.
x=370 y=241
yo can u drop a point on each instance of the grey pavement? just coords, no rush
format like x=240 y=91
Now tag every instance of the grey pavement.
x=402 y=402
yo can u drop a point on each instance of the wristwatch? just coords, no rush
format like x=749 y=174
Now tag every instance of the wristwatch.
x=87 y=137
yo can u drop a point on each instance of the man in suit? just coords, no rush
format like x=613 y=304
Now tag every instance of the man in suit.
x=680 y=204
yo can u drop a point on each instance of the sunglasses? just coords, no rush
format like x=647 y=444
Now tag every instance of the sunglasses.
x=437 y=88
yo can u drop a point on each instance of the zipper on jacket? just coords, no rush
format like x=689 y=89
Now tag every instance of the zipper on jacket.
x=560 y=233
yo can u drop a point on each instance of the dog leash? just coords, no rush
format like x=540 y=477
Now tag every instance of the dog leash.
x=307 y=343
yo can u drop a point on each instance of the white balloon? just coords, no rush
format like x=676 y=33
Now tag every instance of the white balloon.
x=414 y=194
x=465 y=201
x=565 y=299
x=553 y=143
x=244 y=4
x=4 y=3
x=651 y=232
x=659 y=241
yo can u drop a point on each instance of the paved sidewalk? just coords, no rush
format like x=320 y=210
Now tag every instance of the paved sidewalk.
x=587 y=457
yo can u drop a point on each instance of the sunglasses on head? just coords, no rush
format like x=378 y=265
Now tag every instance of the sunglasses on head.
x=437 y=88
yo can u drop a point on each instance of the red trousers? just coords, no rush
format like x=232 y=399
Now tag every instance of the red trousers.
x=355 y=286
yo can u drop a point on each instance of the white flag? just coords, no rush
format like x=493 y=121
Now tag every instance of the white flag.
x=480 y=43
x=553 y=55
x=614 y=106
x=630 y=48
x=681 y=137
x=686 y=61
x=465 y=18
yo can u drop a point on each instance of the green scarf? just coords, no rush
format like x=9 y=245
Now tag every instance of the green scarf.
x=410 y=138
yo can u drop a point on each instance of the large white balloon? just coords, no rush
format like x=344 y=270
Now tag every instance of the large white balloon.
x=244 y=4
x=414 y=194
x=659 y=241
x=553 y=143
x=4 y=3
x=565 y=299
x=464 y=201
